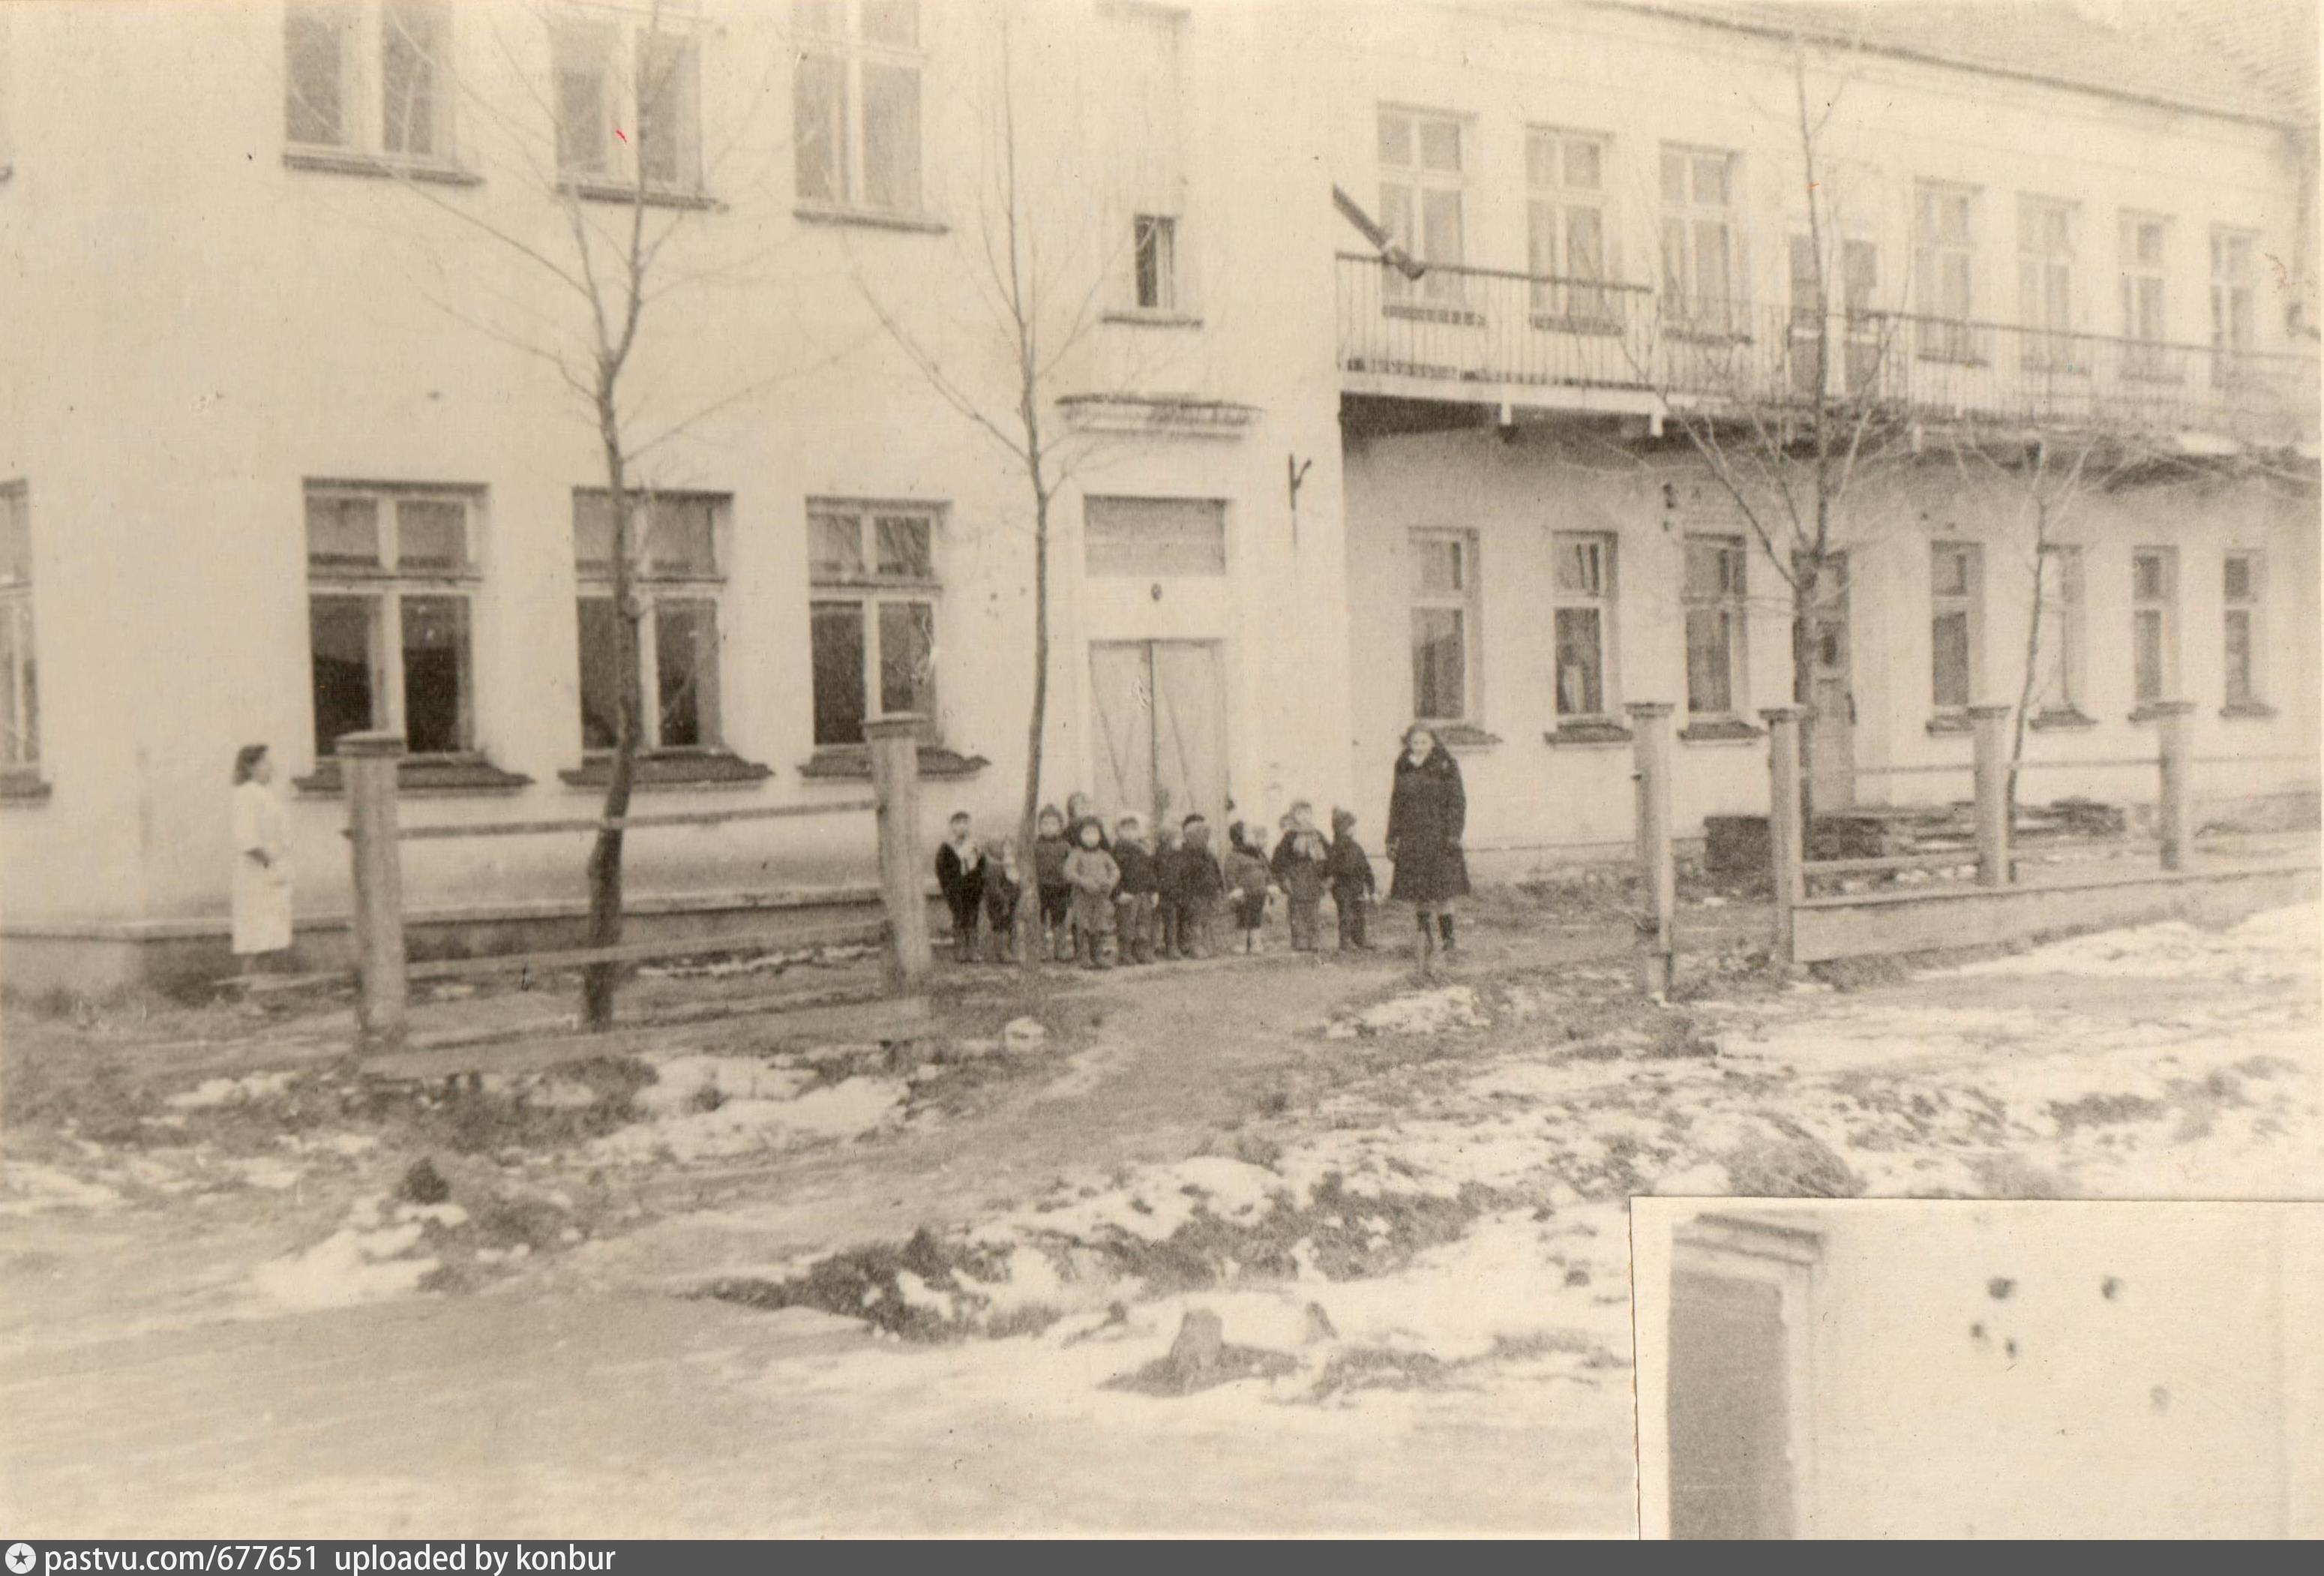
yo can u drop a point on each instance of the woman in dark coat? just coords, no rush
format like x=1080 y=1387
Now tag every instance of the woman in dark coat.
x=1426 y=815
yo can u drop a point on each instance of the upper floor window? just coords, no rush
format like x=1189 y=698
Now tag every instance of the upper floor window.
x=855 y=104
x=678 y=579
x=2045 y=281
x=1444 y=595
x=369 y=77
x=1144 y=44
x=1567 y=249
x=1154 y=262
x=1700 y=266
x=1423 y=178
x=2145 y=241
x=390 y=573
x=20 y=693
x=647 y=73
x=872 y=570
x=1944 y=269
x=2232 y=299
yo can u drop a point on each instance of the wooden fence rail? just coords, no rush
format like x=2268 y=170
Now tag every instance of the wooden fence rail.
x=384 y=972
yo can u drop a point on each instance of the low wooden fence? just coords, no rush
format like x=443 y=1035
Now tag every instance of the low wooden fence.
x=376 y=841
x=1809 y=927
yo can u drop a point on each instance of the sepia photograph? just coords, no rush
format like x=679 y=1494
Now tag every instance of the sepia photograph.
x=684 y=686
x=1882 y=1369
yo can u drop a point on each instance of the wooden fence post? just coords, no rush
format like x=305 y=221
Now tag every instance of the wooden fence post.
x=895 y=742
x=1787 y=850
x=369 y=761
x=2175 y=811
x=1650 y=745
x=1989 y=738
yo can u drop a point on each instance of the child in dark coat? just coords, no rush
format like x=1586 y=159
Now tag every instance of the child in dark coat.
x=1352 y=881
x=1050 y=851
x=1200 y=883
x=1003 y=884
x=1168 y=894
x=1134 y=899
x=1247 y=876
x=1300 y=868
x=1094 y=876
x=960 y=872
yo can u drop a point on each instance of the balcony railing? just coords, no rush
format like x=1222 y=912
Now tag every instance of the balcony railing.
x=1483 y=328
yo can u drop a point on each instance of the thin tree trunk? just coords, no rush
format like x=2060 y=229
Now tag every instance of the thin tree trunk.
x=600 y=980
x=1028 y=912
x=2030 y=679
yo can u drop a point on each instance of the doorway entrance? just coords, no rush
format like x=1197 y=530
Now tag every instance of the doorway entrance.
x=1730 y=1408
x=1158 y=715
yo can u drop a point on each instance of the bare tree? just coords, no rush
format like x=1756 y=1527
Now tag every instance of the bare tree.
x=591 y=265
x=1042 y=281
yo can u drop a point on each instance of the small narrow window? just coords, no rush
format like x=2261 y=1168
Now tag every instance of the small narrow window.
x=1956 y=623
x=1715 y=626
x=2058 y=647
x=1154 y=238
x=1443 y=624
x=2244 y=581
x=1583 y=596
x=20 y=690
x=2153 y=623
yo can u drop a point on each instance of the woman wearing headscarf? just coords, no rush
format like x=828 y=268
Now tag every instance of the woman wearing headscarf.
x=1427 y=812
x=261 y=861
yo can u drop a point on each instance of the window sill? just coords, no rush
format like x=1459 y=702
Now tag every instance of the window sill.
x=1587 y=733
x=845 y=762
x=1461 y=735
x=22 y=787
x=1152 y=318
x=870 y=218
x=652 y=196
x=341 y=161
x=423 y=774
x=2060 y=721
x=1720 y=730
x=1951 y=722
x=2251 y=711
x=1415 y=312
x=670 y=769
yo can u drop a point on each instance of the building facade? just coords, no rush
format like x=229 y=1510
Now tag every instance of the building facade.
x=1344 y=329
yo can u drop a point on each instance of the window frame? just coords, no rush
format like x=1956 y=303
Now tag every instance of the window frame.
x=853 y=52
x=1969 y=603
x=2048 y=284
x=2064 y=588
x=1561 y=291
x=1601 y=601
x=870 y=591
x=650 y=587
x=2145 y=284
x=1734 y=600
x=1683 y=217
x=387 y=584
x=1163 y=228
x=361 y=30
x=2252 y=607
x=1944 y=334
x=19 y=767
x=1443 y=283
x=2165 y=607
x=2234 y=301
x=1467 y=601
x=615 y=42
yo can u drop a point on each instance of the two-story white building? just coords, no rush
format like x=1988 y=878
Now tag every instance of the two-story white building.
x=292 y=446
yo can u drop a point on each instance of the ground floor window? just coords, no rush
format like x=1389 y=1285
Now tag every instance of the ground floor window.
x=1955 y=622
x=20 y=693
x=678 y=576
x=390 y=573
x=2154 y=624
x=2058 y=644
x=872 y=615
x=1582 y=592
x=2244 y=584
x=1443 y=624
x=1715 y=624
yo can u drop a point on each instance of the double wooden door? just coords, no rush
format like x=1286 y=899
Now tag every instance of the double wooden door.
x=1158 y=715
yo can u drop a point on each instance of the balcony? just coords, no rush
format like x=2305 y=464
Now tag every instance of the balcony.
x=1483 y=336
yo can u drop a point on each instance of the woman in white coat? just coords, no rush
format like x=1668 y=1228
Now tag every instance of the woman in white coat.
x=261 y=861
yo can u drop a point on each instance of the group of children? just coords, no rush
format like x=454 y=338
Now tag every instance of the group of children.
x=1121 y=896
